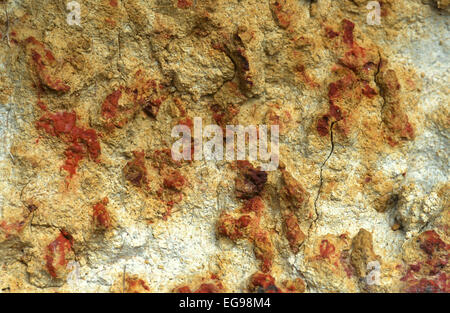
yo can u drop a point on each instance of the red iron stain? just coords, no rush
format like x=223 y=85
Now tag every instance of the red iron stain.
x=326 y=249
x=81 y=141
x=262 y=240
x=331 y=33
x=134 y=284
x=184 y=4
x=56 y=248
x=336 y=89
x=322 y=126
x=41 y=105
x=265 y=282
x=135 y=171
x=207 y=288
x=184 y=289
x=110 y=22
x=41 y=64
x=11 y=227
x=335 y=111
x=244 y=221
x=109 y=106
x=254 y=204
x=430 y=242
x=409 y=130
x=100 y=214
x=369 y=91
x=174 y=180
x=348 y=31
x=187 y=121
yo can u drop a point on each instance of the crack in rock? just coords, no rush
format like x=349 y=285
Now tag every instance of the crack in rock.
x=321 y=179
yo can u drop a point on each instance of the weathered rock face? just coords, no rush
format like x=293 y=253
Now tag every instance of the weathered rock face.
x=92 y=200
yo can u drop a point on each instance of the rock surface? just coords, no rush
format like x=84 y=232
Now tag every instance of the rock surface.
x=91 y=200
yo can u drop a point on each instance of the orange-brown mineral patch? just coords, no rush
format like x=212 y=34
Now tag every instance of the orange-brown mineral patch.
x=226 y=104
x=331 y=254
x=283 y=12
x=250 y=180
x=45 y=65
x=136 y=285
x=81 y=141
x=100 y=215
x=265 y=283
x=127 y=283
x=135 y=171
x=292 y=200
x=294 y=234
x=429 y=272
x=110 y=105
x=161 y=177
x=56 y=252
x=13 y=228
x=211 y=284
x=184 y=4
x=123 y=102
x=173 y=181
x=245 y=224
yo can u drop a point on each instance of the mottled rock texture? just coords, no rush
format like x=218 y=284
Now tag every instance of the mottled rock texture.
x=91 y=200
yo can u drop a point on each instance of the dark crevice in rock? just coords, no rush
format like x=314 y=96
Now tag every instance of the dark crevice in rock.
x=321 y=178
